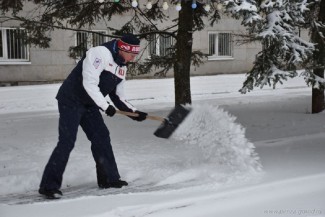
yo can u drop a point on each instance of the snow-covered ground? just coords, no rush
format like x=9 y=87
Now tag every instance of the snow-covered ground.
x=208 y=168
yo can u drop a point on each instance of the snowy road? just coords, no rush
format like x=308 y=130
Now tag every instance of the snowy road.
x=288 y=140
x=293 y=184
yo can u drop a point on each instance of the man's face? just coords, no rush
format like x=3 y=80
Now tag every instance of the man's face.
x=128 y=57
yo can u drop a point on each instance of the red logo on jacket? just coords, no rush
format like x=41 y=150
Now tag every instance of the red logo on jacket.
x=121 y=72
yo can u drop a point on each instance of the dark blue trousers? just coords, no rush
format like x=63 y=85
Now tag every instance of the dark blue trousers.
x=90 y=119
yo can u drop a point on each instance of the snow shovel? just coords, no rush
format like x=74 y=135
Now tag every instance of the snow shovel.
x=169 y=124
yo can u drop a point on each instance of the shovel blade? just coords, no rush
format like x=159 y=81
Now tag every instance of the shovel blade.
x=172 y=121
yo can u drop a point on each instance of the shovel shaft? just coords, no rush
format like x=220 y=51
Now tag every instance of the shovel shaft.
x=133 y=114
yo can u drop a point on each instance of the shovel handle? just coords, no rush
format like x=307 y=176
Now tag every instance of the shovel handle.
x=133 y=114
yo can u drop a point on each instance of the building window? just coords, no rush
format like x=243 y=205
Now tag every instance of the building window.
x=86 y=40
x=160 y=45
x=12 y=45
x=220 y=45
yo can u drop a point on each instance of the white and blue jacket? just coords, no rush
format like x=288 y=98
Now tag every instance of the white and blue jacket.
x=99 y=73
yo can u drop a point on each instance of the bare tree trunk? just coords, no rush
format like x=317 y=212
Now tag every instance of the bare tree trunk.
x=183 y=55
x=318 y=101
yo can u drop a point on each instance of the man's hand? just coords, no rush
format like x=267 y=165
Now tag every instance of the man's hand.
x=142 y=116
x=110 y=111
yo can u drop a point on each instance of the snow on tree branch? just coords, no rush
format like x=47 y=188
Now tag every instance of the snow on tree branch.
x=283 y=50
x=242 y=8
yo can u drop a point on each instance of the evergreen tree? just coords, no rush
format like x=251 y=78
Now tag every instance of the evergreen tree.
x=283 y=51
x=276 y=25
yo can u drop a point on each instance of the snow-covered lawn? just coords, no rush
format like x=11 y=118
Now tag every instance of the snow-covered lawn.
x=257 y=155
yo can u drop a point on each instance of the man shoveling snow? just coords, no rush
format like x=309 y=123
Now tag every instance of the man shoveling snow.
x=101 y=72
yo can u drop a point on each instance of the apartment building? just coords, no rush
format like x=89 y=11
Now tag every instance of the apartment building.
x=23 y=64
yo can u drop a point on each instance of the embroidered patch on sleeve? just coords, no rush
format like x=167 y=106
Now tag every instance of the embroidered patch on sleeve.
x=97 y=63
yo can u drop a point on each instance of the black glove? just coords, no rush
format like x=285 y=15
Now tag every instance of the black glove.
x=110 y=111
x=142 y=116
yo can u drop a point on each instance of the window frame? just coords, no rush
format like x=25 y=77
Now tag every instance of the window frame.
x=216 y=55
x=158 y=42
x=4 y=59
x=90 y=39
